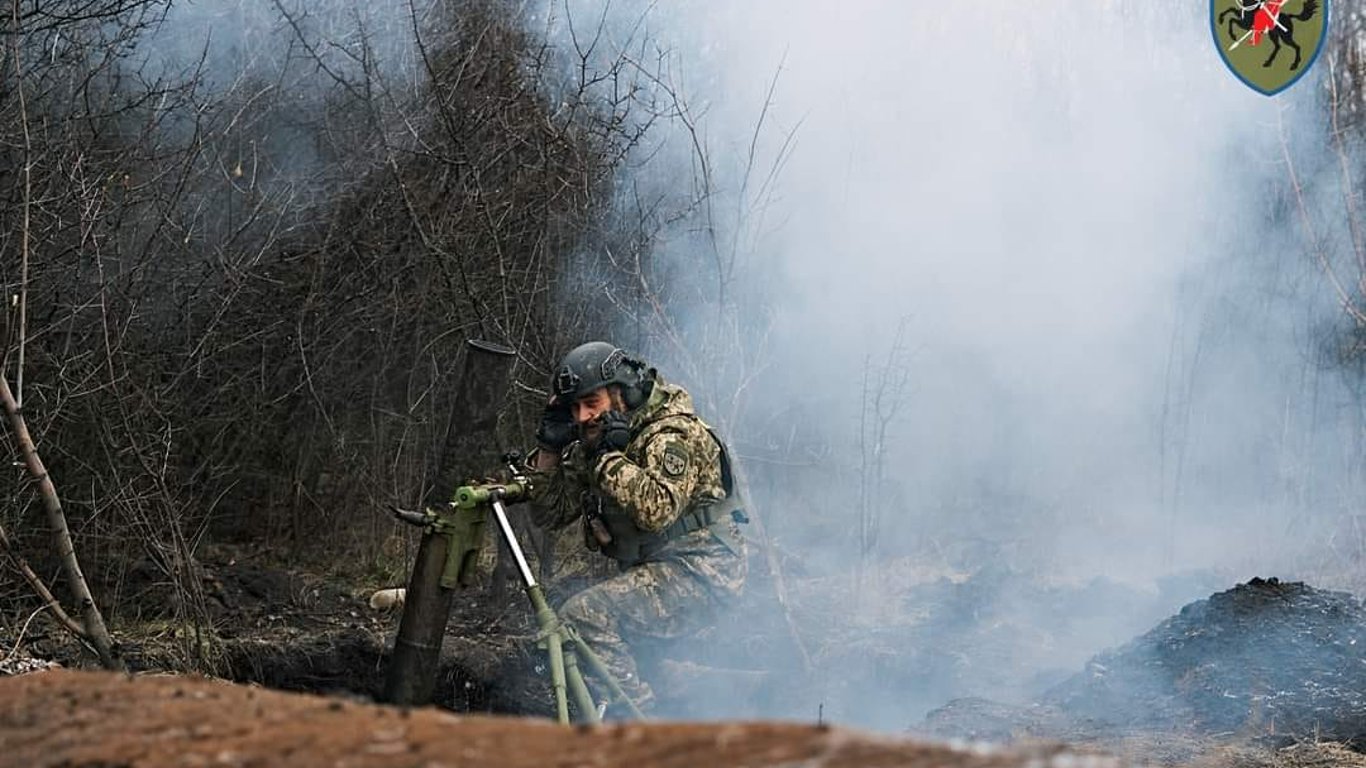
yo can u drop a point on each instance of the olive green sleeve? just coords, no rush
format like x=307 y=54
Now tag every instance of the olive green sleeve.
x=655 y=491
x=557 y=494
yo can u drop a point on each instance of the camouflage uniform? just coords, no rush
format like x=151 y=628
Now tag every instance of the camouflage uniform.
x=681 y=555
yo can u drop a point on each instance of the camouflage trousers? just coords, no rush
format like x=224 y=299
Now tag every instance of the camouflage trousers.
x=655 y=600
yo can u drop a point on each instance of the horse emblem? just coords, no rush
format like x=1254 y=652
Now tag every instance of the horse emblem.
x=1251 y=35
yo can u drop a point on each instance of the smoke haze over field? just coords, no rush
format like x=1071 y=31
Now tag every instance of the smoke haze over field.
x=1114 y=337
x=1118 y=347
x=1071 y=208
x=1109 y=330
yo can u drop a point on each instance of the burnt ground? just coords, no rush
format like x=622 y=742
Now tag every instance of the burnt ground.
x=1261 y=675
x=1282 y=657
x=1267 y=662
x=996 y=633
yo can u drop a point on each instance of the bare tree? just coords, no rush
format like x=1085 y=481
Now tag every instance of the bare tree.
x=685 y=307
x=883 y=394
x=1323 y=199
x=242 y=295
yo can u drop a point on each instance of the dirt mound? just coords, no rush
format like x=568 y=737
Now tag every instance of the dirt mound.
x=87 y=719
x=1278 y=657
x=1275 y=660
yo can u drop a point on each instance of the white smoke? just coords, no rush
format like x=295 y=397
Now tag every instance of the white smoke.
x=1073 y=209
x=1056 y=199
x=1068 y=206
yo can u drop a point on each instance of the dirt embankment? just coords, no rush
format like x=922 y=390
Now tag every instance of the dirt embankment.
x=1262 y=675
x=95 y=719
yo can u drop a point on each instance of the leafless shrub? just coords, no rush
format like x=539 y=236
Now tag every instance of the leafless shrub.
x=1323 y=201
x=884 y=393
x=243 y=305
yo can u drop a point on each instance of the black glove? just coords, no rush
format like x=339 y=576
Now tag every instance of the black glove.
x=616 y=431
x=557 y=426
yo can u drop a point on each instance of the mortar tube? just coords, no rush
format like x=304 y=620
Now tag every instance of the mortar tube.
x=411 y=676
x=468 y=446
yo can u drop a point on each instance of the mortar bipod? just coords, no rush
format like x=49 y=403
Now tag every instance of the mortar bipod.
x=461 y=523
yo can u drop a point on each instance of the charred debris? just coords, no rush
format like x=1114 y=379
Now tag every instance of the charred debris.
x=1275 y=661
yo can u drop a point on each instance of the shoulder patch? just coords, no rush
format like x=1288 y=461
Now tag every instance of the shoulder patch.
x=675 y=460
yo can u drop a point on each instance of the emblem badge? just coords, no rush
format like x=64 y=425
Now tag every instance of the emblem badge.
x=675 y=461
x=1269 y=44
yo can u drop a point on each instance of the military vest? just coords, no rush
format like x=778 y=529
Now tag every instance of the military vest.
x=630 y=544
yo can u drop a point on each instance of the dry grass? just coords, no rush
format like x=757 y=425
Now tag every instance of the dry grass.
x=1307 y=755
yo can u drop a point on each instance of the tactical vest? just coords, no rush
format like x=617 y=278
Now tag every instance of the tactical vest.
x=631 y=545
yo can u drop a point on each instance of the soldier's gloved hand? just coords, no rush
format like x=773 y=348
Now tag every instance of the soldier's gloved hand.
x=616 y=432
x=557 y=428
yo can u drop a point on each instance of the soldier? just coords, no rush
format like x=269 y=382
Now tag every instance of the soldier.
x=621 y=451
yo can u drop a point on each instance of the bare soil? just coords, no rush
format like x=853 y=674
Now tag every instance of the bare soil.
x=299 y=632
x=76 y=719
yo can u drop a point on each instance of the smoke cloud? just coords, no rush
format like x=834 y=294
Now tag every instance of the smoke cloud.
x=1074 y=217
x=1112 y=333
x=1069 y=209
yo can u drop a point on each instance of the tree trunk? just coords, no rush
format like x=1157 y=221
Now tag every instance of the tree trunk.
x=91 y=621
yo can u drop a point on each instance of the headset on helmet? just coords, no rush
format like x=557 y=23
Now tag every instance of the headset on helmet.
x=597 y=364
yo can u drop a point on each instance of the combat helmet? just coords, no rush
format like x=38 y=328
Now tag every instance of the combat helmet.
x=597 y=364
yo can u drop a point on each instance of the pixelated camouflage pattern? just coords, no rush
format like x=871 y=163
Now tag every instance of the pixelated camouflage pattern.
x=671 y=463
x=670 y=466
x=659 y=600
x=667 y=588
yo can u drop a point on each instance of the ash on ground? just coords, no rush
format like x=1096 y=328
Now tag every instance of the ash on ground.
x=998 y=633
x=1273 y=659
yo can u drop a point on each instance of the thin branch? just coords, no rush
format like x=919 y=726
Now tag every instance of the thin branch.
x=26 y=205
x=1348 y=194
x=40 y=588
x=1315 y=243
